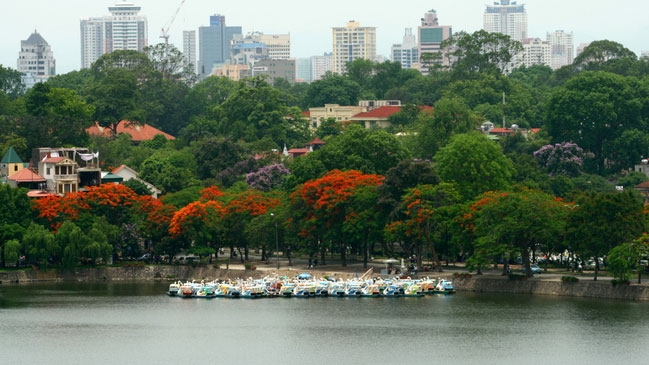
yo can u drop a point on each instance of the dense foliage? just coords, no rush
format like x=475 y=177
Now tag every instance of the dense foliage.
x=431 y=186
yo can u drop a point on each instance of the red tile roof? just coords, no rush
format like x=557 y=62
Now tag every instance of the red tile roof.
x=380 y=112
x=26 y=175
x=138 y=133
x=54 y=159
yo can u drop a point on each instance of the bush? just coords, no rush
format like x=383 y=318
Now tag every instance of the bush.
x=569 y=279
x=616 y=282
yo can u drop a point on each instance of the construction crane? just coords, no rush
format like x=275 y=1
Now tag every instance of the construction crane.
x=165 y=30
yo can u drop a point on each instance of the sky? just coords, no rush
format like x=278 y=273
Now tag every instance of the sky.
x=309 y=22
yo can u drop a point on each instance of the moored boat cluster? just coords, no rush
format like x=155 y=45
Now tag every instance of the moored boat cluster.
x=305 y=287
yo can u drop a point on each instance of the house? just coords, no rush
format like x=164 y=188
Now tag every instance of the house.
x=127 y=173
x=10 y=164
x=26 y=178
x=138 y=132
x=66 y=169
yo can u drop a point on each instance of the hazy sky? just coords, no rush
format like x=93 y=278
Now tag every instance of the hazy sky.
x=310 y=22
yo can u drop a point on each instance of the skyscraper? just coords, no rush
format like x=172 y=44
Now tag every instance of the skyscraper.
x=506 y=17
x=214 y=44
x=406 y=53
x=36 y=58
x=189 y=49
x=352 y=42
x=431 y=35
x=563 y=48
x=124 y=29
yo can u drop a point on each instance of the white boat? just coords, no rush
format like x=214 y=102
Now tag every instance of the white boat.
x=444 y=287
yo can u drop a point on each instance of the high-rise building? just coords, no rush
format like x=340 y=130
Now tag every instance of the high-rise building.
x=189 y=49
x=274 y=69
x=431 y=35
x=36 y=59
x=214 y=43
x=352 y=42
x=124 y=29
x=506 y=17
x=303 y=70
x=535 y=52
x=406 y=53
x=320 y=65
x=279 y=45
x=563 y=48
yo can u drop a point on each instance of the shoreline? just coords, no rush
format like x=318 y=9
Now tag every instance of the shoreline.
x=491 y=281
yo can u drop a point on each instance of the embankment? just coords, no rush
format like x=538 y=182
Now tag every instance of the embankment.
x=475 y=283
x=592 y=289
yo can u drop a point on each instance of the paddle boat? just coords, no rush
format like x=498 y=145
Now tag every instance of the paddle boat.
x=444 y=287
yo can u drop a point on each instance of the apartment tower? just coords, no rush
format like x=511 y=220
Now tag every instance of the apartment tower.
x=506 y=17
x=352 y=42
x=124 y=29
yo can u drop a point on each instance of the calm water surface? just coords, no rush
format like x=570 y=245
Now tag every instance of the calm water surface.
x=127 y=323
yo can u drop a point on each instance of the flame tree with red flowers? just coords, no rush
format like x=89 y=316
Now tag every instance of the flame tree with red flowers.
x=427 y=213
x=334 y=209
x=516 y=222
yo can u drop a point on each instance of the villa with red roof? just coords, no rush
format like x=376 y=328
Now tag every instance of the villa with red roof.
x=138 y=132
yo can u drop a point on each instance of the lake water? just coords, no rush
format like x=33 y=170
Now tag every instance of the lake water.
x=128 y=323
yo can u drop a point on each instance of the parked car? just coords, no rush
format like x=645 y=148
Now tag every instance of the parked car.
x=534 y=268
x=146 y=257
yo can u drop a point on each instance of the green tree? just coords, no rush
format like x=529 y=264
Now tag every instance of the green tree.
x=39 y=244
x=480 y=52
x=11 y=82
x=516 y=222
x=593 y=109
x=475 y=163
x=333 y=89
x=602 y=221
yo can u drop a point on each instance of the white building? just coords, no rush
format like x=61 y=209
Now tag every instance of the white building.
x=506 y=17
x=563 y=48
x=406 y=53
x=320 y=65
x=36 y=59
x=279 y=45
x=189 y=49
x=352 y=42
x=124 y=29
x=536 y=52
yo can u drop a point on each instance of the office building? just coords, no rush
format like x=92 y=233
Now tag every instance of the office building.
x=406 y=53
x=124 y=29
x=352 y=42
x=279 y=45
x=274 y=69
x=36 y=59
x=430 y=36
x=214 y=43
x=506 y=17
x=303 y=70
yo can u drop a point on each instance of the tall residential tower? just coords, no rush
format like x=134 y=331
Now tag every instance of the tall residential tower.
x=506 y=17
x=124 y=29
x=352 y=42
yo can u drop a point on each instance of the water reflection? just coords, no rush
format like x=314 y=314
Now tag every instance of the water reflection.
x=80 y=323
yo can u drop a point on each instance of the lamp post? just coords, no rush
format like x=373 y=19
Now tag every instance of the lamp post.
x=276 y=240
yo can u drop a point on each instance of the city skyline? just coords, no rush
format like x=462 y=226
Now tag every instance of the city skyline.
x=310 y=32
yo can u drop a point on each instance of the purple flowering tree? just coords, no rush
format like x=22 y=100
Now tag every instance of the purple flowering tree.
x=561 y=159
x=267 y=177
